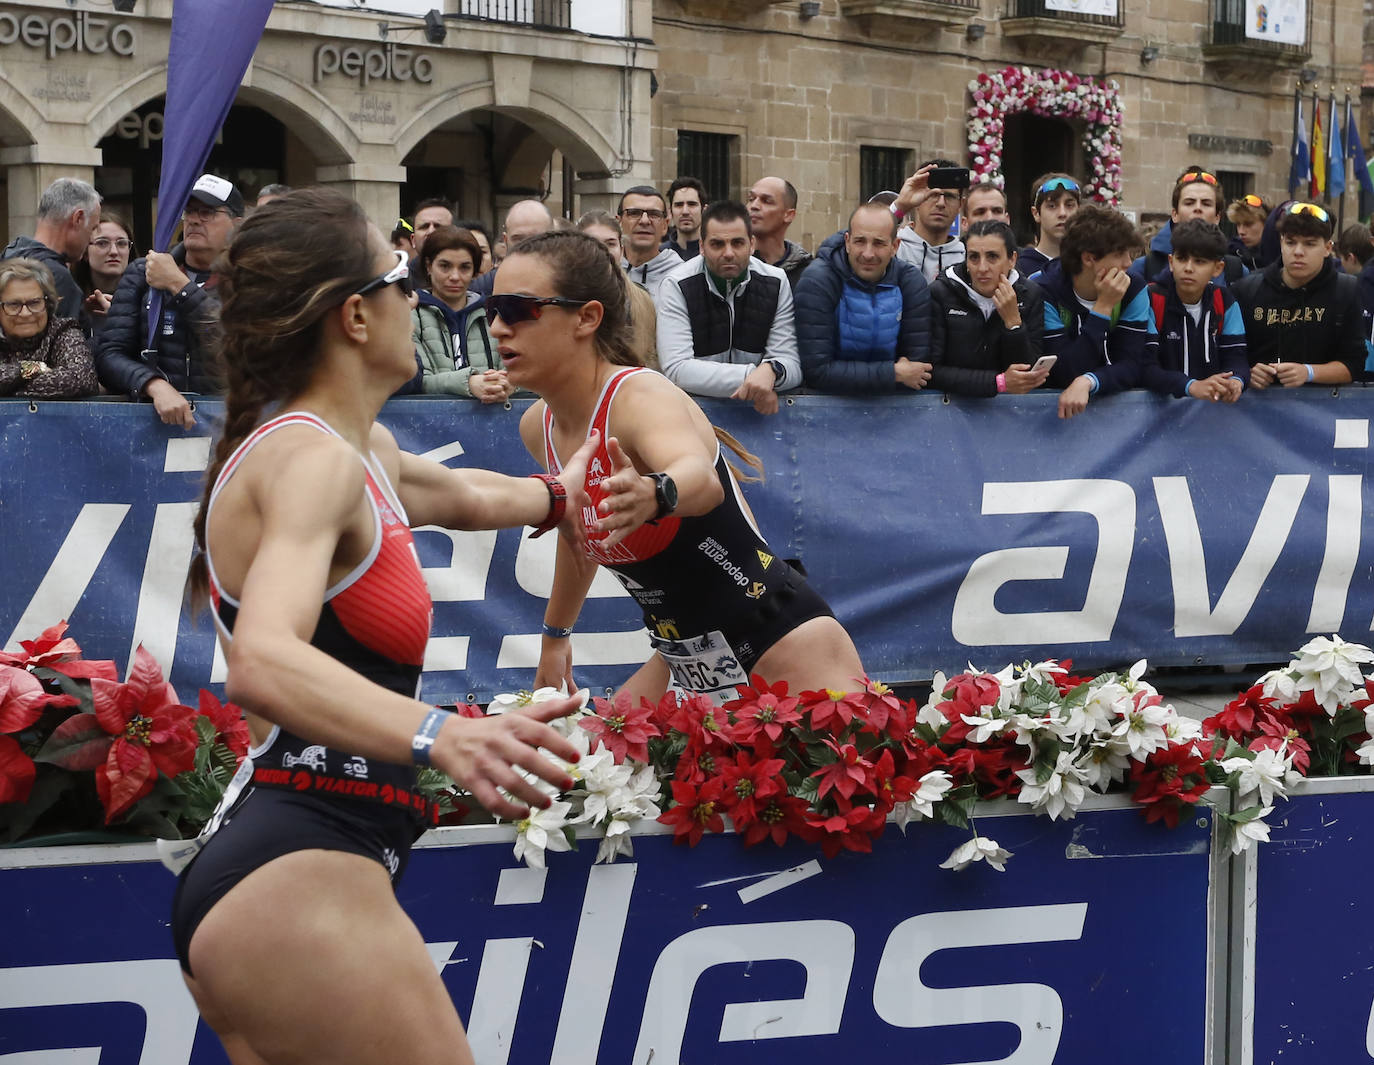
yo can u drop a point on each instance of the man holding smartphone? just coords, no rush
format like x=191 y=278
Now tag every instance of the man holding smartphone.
x=932 y=199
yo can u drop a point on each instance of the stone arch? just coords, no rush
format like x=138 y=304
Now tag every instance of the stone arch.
x=581 y=143
x=18 y=116
x=302 y=110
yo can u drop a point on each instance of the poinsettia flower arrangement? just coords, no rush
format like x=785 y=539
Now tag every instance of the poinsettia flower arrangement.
x=80 y=749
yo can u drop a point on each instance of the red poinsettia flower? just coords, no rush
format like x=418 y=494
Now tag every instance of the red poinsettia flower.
x=703 y=723
x=878 y=704
x=1065 y=681
x=1168 y=780
x=23 y=699
x=17 y=772
x=230 y=727
x=757 y=686
x=137 y=730
x=1274 y=734
x=696 y=810
x=889 y=786
x=749 y=783
x=696 y=767
x=849 y=772
x=622 y=727
x=831 y=710
x=851 y=827
x=781 y=816
x=766 y=718
x=1236 y=720
x=51 y=647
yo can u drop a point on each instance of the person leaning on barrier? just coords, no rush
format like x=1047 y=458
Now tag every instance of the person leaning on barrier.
x=725 y=319
x=1356 y=249
x=179 y=357
x=450 y=323
x=863 y=315
x=68 y=214
x=987 y=321
x=41 y=355
x=1095 y=311
x=1303 y=307
x=1195 y=344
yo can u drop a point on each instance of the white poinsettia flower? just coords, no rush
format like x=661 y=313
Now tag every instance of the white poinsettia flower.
x=987 y=725
x=1048 y=671
x=542 y=831
x=1061 y=794
x=930 y=790
x=1366 y=752
x=1243 y=837
x=1142 y=728
x=1103 y=764
x=1261 y=772
x=1182 y=729
x=1330 y=668
x=978 y=849
x=617 y=841
x=1279 y=684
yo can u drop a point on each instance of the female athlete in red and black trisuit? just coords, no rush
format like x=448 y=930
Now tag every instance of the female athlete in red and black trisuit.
x=285 y=921
x=665 y=513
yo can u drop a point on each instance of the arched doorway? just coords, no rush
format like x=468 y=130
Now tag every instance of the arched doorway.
x=1033 y=145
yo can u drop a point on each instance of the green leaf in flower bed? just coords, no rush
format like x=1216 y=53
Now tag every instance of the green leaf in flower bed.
x=1244 y=817
x=78 y=743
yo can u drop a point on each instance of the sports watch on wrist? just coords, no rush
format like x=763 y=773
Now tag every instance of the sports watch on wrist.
x=665 y=491
x=779 y=371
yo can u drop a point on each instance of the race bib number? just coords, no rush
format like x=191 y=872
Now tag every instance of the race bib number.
x=705 y=665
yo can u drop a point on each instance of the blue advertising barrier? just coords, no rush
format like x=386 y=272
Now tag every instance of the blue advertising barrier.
x=1303 y=985
x=941 y=532
x=1099 y=943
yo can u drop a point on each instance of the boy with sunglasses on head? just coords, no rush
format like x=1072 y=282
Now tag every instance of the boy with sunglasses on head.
x=1303 y=306
x=1197 y=194
x=1248 y=215
x=1054 y=198
x=1195 y=341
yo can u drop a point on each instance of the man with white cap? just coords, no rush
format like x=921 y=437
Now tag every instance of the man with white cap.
x=176 y=358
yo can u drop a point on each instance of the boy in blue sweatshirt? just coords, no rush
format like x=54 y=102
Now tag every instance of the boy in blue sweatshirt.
x=1095 y=312
x=1195 y=341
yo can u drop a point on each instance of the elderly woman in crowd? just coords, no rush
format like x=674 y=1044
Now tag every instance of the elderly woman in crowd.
x=40 y=355
x=450 y=323
x=99 y=270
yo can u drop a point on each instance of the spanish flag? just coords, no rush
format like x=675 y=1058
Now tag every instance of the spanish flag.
x=1318 y=151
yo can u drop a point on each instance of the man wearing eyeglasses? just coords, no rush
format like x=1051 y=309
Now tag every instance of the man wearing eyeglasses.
x=928 y=243
x=1197 y=194
x=176 y=358
x=1303 y=307
x=643 y=225
x=68 y=217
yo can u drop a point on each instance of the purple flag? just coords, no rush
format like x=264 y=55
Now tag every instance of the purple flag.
x=212 y=44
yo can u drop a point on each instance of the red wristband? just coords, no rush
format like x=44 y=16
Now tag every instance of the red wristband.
x=558 y=503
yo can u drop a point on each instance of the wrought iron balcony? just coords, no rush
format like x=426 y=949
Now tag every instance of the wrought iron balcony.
x=1228 y=45
x=1046 y=28
x=880 y=15
x=541 y=14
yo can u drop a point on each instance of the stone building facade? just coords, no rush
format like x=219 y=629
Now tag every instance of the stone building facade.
x=575 y=100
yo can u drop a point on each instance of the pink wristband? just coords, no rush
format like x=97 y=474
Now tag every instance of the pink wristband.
x=1001 y=382
x=897 y=212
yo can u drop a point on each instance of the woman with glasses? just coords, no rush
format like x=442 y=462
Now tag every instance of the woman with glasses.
x=40 y=355
x=285 y=920
x=667 y=517
x=99 y=270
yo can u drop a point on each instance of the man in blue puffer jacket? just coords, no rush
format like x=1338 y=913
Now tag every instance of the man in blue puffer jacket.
x=863 y=315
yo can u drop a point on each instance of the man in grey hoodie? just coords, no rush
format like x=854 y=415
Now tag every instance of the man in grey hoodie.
x=643 y=218
x=927 y=243
x=68 y=216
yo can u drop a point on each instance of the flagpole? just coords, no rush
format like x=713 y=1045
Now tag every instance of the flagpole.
x=1313 y=186
x=1345 y=156
x=1297 y=139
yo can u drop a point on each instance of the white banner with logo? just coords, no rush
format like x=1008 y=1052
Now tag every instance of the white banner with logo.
x=1083 y=7
x=1280 y=21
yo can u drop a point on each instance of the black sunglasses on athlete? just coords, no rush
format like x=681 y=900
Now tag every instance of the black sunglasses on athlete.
x=397 y=275
x=514 y=309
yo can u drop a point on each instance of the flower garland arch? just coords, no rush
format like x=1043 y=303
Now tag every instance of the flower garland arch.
x=1055 y=94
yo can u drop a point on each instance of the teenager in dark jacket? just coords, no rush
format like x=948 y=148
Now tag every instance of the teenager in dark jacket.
x=987 y=322
x=863 y=315
x=1095 y=311
x=1303 y=306
x=1196 y=339
x=1197 y=194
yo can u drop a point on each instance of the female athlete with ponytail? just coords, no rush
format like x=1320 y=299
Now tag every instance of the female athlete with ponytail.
x=666 y=515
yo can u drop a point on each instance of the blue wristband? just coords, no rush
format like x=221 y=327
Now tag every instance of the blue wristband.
x=554 y=632
x=1311 y=372
x=426 y=734
x=1096 y=384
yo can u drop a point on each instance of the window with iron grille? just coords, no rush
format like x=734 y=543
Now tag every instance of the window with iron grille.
x=883 y=169
x=710 y=158
x=544 y=14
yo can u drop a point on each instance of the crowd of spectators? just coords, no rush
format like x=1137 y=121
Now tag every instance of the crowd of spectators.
x=925 y=287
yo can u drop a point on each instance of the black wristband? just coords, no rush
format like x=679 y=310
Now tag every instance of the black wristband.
x=555 y=633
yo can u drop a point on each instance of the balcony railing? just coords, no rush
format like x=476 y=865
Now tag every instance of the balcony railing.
x=541 y=14
x=1038 y=9
x=1228 y=34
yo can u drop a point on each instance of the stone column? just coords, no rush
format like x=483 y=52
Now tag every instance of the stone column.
x=376 y=186
x=31 y=168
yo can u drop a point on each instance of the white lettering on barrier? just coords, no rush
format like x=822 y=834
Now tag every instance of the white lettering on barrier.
x=1344 y=511
x=904 y=1001
x=976 y=619
x=1193 y=615
x=1369 y=1033
x=824 y=948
